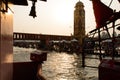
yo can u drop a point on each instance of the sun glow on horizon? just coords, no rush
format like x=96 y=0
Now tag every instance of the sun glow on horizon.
x=63 y=13
x=54 y=17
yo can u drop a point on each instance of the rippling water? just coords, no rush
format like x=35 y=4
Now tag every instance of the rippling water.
x=61 y=66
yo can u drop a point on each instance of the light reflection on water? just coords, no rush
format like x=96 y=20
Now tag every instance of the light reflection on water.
x=61 y=66
x=21 y=54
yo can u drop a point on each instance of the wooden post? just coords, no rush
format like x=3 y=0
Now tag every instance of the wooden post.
x=6 y=43
x=113 y=41
x=83 y=54
x=100 y=56
x=83 y=58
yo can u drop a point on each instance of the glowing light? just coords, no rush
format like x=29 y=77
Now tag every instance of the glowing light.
x=63 y=79
x=9 y=12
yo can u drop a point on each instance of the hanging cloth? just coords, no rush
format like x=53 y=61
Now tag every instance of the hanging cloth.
x=102 y=13
x=33 y=11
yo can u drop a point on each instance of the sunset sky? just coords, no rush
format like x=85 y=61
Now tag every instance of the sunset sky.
x=54 y=16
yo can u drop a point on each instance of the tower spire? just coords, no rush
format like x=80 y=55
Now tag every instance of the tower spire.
x=79 y=21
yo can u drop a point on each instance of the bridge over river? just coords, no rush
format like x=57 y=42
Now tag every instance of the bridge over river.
x=35 y=40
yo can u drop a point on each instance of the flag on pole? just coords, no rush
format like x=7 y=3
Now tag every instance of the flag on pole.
x=102 y=13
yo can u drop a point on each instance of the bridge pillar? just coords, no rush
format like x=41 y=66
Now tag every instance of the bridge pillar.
x=42 y=44
x=6 y=43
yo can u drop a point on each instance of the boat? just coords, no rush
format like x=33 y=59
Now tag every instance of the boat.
x=109 y=68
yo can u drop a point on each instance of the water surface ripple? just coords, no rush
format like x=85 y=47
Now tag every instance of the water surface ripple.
x=61 y=66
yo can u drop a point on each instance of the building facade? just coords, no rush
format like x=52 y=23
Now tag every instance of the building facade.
x=79 y=22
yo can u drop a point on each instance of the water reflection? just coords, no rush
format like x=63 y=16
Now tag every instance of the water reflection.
x=61 y=66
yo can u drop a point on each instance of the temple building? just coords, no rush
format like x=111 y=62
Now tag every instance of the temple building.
x=79 y=22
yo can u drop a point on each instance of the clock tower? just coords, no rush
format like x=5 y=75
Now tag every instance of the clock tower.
x=79 y=22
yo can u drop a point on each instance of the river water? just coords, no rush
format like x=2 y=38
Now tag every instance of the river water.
x=61 y=66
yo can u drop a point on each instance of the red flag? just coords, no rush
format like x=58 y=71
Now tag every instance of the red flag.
x=102 y=13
